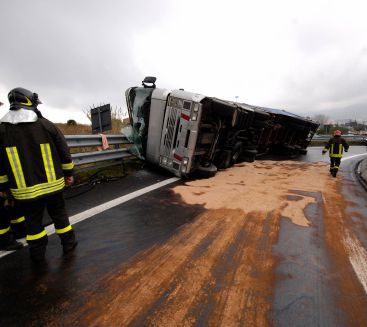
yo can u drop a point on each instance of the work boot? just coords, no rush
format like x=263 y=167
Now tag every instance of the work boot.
x=334 y=173
x=68 y=242
x=67 y=248
x=8 y=242
x=12 y=245
x=37 y=249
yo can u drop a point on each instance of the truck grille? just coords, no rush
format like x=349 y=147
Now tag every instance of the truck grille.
x=172 y=130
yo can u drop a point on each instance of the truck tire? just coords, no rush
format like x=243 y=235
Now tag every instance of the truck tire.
x=249 y=152
x=249 y=158
x=303 y=151
x=236 y=153
x=250 y=147
x=206 y=172
x=225 y=160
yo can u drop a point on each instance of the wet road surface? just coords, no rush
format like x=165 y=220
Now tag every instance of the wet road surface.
x=163 y=259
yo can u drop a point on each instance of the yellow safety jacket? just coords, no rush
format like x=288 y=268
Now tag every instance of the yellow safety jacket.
x=34 y=158
x=335 y=147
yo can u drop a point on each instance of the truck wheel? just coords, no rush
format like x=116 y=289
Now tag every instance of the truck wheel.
x=207 y=172
x=249 y=158
x=236 y=152
x=225 y=160
x=303 y=151
x=249 y=152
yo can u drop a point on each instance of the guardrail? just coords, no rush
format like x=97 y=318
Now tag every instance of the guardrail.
x=355 y=138
x=82 y=158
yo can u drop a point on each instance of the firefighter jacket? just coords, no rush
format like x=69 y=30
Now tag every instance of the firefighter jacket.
x=335 y=147
x=34 y=159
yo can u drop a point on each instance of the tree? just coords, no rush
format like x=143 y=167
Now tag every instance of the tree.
x=71 y=122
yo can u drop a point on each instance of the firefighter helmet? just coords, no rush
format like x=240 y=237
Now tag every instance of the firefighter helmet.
x=23 y=98
x=337 y=133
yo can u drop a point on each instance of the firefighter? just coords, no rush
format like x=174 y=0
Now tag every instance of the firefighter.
x=10 y=229
x=335 y=147
x=35 y=166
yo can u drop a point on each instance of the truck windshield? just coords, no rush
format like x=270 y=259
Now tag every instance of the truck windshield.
x=138 y=100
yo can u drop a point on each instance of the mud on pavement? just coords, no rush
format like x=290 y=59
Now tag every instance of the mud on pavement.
x=220 y=269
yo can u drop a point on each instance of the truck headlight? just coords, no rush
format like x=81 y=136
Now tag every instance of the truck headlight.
x=194 y=116
x=184 y=164
x=196 y=107
x=164 y=160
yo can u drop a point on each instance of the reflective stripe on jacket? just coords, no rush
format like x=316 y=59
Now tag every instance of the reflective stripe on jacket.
x=335 y=146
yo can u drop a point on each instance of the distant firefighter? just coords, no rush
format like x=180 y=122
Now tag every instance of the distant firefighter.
x=35 y=165
x=335 y=146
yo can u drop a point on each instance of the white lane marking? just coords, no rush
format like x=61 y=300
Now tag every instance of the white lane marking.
x=102 y=207
x=357 y=257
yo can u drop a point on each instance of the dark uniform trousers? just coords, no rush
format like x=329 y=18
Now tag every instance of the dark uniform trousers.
x=334 y=164
x=5 y=235
x=36 y=234
x=12 y=224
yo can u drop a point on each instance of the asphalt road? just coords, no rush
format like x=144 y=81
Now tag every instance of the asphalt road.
x=126 y=270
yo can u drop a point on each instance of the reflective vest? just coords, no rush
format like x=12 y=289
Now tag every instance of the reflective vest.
x=34 y=158
x=335 y=146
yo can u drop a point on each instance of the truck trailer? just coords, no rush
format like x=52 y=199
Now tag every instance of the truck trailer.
x=286 y=133
x=188 y=133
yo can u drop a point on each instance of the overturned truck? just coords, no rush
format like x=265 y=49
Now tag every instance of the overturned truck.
x=189 y=133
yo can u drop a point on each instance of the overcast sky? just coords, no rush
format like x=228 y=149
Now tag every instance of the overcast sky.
x=303 y=56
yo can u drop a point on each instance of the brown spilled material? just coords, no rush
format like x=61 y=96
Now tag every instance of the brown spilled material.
x=219 y=269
